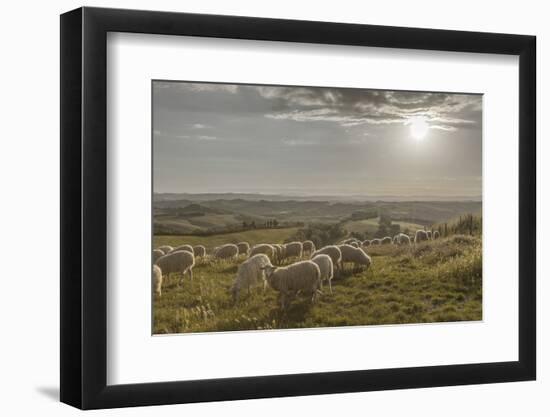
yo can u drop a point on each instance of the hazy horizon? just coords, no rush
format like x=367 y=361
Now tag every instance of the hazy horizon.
x=322 y=197
x=310 y=141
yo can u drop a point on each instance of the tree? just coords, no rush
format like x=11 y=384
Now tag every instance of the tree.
x=382 y=231
x=394 y=229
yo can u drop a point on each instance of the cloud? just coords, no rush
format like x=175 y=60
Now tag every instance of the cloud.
x=196 y=87
x=354 y=107
x=227 y=88
x=161 y=134
x=300 y=142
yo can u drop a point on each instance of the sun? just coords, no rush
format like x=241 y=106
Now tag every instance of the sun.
x=419 y=128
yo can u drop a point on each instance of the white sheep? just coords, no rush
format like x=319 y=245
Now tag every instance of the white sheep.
x=436 y=234
x=334 y=252
x=357 y=256
x=420 y=236
x=166 y=248
x=264 y=248
x=429 y=233
x=304 y=276
x=227 y=251
x=199 y=251
x=177 y=262
x=308 y=247
x=188 y=248
x=157 y=253
x=350 y=241
x=374 y=242
x=365 y=243
x=250 y=274
x=386 y=240
x=402 y=239
x=279 y=251
x=324 y=262
x=293 y=249
x=244 y=248
x=157 y=280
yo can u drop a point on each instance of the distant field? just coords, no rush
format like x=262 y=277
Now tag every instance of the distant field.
x=436 y=281
x=371 y=225
x=189 y=217
x=250 y=236
x=196 y=224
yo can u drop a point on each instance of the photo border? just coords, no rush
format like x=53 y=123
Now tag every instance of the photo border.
x=83 y=231
x=152 y=245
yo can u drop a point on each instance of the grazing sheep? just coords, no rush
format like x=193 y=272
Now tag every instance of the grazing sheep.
x=166 y=249
x=402 y=239
x=227 y=251
x=375 y=242
x=250 y=274
x=429 y=233
x=177 y=262
x=386 y=240
x=365 y=243
x=308 y=247
x=436 y=234
x=188 y=248
x=324 y=262
x=293 y=249
x=157 y=253
x=334 y=252
x=279 y=251
x=244 y=248
x=355 y=255
x=303 y=276
x=157 y=280
x=350 y=241
x=354 y=244
x=264 y=248
x=420 y=236
x=199 y=251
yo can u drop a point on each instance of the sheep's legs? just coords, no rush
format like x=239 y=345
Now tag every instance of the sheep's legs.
x=330 y=285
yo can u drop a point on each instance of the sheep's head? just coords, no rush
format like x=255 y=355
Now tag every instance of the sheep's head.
x=268 y=270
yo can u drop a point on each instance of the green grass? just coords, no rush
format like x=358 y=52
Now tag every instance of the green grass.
x=250 y=236
x=437 y=281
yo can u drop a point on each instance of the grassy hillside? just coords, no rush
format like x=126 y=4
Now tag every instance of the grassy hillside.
x=220 y=215
x=436 y=281
x=250 y=236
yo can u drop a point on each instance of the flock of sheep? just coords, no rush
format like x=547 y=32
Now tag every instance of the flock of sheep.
x=299 y=266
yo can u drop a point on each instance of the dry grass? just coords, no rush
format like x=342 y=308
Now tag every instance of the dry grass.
x=435 y=281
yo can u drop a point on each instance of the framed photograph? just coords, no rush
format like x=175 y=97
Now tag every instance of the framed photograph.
x=257 y=208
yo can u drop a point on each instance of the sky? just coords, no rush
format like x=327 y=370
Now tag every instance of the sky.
x=222 y=138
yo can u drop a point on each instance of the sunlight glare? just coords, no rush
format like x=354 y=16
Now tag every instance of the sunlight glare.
x=419 y=128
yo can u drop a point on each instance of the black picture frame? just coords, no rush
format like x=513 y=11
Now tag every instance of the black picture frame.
x=84 y=207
